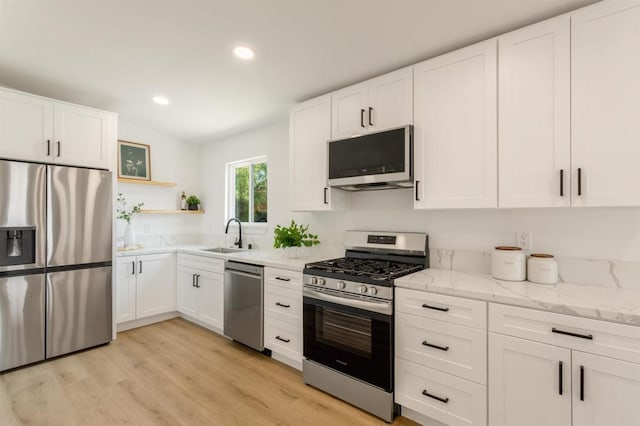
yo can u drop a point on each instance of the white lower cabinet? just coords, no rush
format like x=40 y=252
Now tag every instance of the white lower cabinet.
x=201 y=289
x=553 y=381
x=529 y=383
x=606 y=391
x=145 y=286
x=441 y=365
x=283 y=315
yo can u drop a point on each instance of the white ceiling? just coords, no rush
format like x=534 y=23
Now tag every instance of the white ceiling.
x=116 y=55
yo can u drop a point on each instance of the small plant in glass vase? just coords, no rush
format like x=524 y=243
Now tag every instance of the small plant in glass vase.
x=291 y=237
x=122 y=212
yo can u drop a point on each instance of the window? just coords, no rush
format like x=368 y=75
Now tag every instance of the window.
x=247 y=190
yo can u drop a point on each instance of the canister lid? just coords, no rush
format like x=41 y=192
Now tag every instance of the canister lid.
x=542 y=255
x=508 y=248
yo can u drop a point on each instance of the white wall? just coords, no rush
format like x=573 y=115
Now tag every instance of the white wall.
x=172 y=160
x=601 y=233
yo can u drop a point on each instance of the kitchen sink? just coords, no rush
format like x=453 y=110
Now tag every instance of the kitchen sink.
x=225 y=250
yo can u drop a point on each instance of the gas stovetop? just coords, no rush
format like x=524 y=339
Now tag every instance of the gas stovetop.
x=372 y=271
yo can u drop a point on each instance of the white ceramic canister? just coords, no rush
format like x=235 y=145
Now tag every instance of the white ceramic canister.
x=509 y=264
x=542 y=269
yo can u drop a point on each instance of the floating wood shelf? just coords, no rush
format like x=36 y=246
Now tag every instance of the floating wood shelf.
x=172 y=211
x=146 y=182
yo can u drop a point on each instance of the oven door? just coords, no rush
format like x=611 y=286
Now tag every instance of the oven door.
x=350 y=335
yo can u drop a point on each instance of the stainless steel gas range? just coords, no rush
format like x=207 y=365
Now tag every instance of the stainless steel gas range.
x=348 y=317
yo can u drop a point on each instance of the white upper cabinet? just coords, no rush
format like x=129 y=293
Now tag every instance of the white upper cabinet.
x=33 y=128
x=81 y=136
x=26 y=126
x=309 y=131
x=381 y=103
x=349 y=107
x=605 y=103
x=456 y=129
x=534 y=149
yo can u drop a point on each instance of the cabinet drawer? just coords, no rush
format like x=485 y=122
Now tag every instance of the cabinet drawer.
x=470 y=313
x=283 y=303
x=454 y=349
x=599 y=337
x=441 y=396
x=283 y=337
x=201 y=262
x=283 y=277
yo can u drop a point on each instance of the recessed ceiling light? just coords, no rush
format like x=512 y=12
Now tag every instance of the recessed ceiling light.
x=243 y=52
x=161 y=100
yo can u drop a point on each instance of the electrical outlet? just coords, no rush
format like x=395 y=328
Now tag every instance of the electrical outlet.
x=523 y=240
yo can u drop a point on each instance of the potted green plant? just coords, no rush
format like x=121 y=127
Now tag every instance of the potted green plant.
x=122 y=212
x=193 y=202
x=293 y=236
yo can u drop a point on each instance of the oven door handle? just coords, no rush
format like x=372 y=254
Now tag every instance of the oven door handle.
x=380 y=307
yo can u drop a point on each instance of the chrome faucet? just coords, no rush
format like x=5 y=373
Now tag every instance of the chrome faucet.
x=226 y=231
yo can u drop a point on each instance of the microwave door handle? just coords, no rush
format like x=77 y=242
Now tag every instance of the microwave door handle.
x=381 y=307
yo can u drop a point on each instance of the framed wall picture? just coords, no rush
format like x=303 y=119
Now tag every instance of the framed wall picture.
x=134 y=160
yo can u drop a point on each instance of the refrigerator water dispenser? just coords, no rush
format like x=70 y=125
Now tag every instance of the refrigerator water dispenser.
x=17 y=246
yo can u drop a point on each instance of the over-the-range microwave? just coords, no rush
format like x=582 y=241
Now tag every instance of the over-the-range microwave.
x=380 y=160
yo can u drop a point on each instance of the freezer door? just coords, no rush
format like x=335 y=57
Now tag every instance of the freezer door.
x=21 y=320
x=78 y=309
x=78 y=216
x=22 y=215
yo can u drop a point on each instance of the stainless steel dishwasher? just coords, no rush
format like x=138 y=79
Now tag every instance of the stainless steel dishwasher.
x=243 y=308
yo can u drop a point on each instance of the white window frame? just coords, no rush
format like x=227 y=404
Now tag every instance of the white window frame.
x=230 y=204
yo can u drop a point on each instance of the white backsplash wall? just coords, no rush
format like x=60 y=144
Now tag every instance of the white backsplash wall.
x=172 y=160
x=572 y=234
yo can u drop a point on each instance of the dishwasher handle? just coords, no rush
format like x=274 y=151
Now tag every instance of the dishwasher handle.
x=247 y=268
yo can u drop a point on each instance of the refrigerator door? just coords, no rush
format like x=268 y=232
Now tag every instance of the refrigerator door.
x=78 y=309
x=78 y=216
x=21 y=320
x=22 y=215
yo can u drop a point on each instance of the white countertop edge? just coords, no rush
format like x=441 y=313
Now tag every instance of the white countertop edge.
x=268 y=258
x=602 y=303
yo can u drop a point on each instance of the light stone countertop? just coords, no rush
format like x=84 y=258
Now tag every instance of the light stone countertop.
x=603 y=303
x=270 y=258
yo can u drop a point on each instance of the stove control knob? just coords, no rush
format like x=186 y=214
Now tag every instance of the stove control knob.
x=362 y=289
x=341 y=285
x=314 y=280
x=373 y=291
x=321 y=281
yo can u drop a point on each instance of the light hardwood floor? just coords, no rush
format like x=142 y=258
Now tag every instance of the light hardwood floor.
x=170 y=373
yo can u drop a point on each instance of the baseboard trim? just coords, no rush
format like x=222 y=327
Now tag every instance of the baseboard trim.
x=124 y=326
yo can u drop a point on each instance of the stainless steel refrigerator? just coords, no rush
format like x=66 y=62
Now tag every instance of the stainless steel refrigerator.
x=55 y=261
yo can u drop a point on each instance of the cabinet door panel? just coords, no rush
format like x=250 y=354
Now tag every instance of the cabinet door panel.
x=26 y=124
x=605 y=104
x=155 y=285
x=349 y=108
x=126 y=289
x=309 y=131
x=534 y=120
x=390 y=100
x=611 y=391
x=456 y=129
x=210 y=298
x=524 y=383
x=81 y=136
x=187 y=302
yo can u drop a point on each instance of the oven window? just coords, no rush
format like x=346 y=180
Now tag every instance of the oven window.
x=344 y=331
